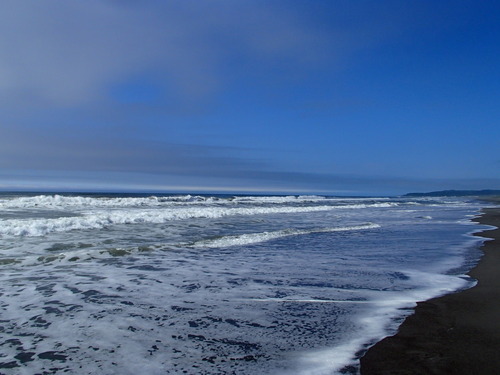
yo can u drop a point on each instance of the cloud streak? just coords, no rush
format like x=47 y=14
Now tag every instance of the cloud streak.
x=61 y=150
x=128 y=163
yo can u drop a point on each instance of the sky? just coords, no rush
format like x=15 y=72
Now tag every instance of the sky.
x=340 y=97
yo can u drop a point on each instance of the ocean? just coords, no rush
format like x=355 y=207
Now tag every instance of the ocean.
x=219 y=284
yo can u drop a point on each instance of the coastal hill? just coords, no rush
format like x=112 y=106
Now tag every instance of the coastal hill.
x=456 y=193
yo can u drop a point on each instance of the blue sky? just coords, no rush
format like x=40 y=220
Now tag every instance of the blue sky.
x=279 y=96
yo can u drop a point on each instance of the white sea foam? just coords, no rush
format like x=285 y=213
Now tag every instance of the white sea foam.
x=251 y=238
x=379 y=323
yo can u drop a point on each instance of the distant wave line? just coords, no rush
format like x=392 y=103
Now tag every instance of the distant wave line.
x=80 y=202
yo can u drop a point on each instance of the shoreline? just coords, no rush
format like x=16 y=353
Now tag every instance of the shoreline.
x=457 y=333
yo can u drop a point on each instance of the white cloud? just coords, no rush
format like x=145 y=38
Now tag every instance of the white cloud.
x=66 y=53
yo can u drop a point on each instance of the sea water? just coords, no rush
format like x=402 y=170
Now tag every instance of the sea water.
x=181 y=284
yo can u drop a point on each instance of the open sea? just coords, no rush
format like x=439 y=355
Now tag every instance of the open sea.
x=218 y=284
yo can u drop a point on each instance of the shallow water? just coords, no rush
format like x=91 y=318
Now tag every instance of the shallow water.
x=126 y=284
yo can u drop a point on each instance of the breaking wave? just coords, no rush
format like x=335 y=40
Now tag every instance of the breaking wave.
x=82 y=202
x=104 y=219
x=61 y=201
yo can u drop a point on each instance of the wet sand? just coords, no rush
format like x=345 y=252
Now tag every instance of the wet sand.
x=455 y=334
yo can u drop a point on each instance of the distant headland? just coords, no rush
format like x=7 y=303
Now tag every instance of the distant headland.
x=456 y=193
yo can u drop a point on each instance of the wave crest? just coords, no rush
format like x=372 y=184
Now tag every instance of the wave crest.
x=251 y=238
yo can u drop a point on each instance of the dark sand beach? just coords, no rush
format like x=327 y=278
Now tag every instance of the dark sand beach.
x=454 y=334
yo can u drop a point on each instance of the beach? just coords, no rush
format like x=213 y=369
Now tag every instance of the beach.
x=455 y=334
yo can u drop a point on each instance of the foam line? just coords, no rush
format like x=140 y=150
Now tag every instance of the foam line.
x=284 y=300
